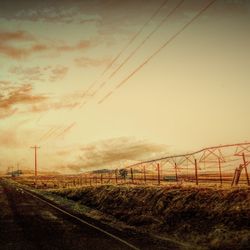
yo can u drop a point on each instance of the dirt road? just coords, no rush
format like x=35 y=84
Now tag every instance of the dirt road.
x=28 y=223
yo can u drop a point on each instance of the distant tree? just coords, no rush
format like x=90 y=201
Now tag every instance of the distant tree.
x=123 y=173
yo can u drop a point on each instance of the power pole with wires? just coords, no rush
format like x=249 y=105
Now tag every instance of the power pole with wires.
x=35 y=150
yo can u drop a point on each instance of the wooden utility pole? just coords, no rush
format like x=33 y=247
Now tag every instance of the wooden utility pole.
x=245 y=166
x=196 y=172
x=132 y=175
x=220 y=171
x=116 y=176
x=159 y=175
x=144 y=173
x=176 y=173
x=35 y=151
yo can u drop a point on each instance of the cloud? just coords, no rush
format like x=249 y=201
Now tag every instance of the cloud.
x=20 y=44
x=64 y=152
x=90 y=62
x=8 y=138
x=20 y=95
x=8 y=41
x=15 y=136
x=107 y=17
x=110 y=153
x=6 y=36
x=20 y=37
x=12 y=52
x=56 y=12
x=58 y=73
x=49 y=73
x=83 y=44
x=68 y=101
x=46 y=106
x=11 y=96
x=29 y=74
x=4 y=83
x=4 y=113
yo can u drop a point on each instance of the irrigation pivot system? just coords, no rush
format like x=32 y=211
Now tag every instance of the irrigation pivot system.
x=224 y=165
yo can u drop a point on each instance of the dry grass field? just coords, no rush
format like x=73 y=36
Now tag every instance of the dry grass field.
x=211 y=218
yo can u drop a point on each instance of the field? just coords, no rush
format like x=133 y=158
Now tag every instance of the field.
x=138 y=178
x=198 y=217
x=201 y=200
x=225 y=165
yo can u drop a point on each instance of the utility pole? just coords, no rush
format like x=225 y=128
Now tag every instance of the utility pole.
x=35 y=150
x=17 y=169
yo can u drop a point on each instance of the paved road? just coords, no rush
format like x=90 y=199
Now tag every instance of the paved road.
x=27 y=223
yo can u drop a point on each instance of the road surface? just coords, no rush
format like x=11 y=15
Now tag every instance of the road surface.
x=27 y=223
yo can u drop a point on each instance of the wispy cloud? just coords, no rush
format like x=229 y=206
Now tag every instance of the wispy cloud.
x=20 y=95
x=58 y=73
x=90 y=62
x=81 y=45
x=56 y=12
x=110 y=153
x=4 y=83
x=11 y=96
x=21 y=44
x=8 y=138
x=37 y=73
x=29 y=74
x=15 y=136
x=4 y=113
x=6 y=36
x=68 y=101
x=8 y=41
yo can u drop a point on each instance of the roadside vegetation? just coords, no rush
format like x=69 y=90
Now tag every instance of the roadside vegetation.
x=211 y=218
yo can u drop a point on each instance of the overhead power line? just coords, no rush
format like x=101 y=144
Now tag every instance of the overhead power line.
x=66 y=130
x=160 y=48
x=46 y=134
x=133 y=38
x=52 y=131
x=146 y=39
x=136 y=35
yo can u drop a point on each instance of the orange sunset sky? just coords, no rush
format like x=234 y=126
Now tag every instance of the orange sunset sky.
x=68 y=82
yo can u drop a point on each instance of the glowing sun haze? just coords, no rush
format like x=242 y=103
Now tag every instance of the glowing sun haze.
x=193 y=93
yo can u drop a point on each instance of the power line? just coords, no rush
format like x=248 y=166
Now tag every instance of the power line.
x=50 y=133
x=35 y=161
x=46 y=134
x=156 y=52
x=86 y=93
x=146 y=39
x=162 y=47
x=133 y=38
x=142 y=43
x=137 y=48
x=66 y=130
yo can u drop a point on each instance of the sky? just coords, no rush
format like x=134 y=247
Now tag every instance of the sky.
x=106 y=83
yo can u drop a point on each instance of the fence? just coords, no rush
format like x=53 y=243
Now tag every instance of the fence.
x=223 y=165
